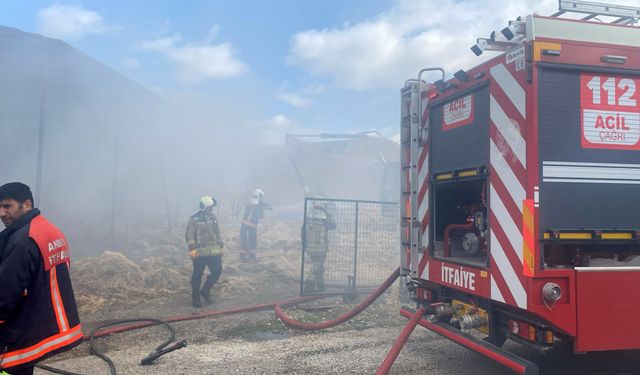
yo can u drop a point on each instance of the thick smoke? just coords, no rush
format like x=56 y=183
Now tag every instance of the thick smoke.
x=114 y=154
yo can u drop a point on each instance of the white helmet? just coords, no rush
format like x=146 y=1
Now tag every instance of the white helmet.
x=206 y=201
x=257 y=196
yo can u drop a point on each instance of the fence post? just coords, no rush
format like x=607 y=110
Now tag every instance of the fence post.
x=355 y=248
x=303 y=233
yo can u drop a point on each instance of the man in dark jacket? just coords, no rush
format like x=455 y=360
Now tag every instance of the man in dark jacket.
x=38 y=313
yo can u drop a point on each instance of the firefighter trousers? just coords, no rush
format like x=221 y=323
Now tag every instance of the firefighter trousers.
x=248 y=242
x=214 y=263
x=314 y=282
x=23 y=371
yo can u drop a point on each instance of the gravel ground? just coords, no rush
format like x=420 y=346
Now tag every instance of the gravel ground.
x=333 y=352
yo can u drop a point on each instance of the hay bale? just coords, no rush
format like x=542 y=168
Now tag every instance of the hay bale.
x=114 y=280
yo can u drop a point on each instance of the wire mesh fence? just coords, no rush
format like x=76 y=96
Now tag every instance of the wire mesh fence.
x=347 y=245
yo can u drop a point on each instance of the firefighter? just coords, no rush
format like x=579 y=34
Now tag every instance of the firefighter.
x=38 y=312
x=205 y=248
x=249 y=226
x=315 y=239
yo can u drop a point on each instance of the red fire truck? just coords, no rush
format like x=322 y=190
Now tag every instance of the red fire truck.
x=521 y=188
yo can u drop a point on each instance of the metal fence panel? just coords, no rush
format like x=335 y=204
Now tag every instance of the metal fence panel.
x=347 y=245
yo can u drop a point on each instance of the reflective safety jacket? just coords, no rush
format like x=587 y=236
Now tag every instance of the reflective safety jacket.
x=38 y=312
x=203 y=234
x=315 y=235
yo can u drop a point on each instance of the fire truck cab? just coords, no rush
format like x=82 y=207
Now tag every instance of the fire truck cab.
x=521 y=187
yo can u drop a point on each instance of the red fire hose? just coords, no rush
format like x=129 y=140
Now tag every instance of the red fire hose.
x=179 y=318
x=391 y=357
x=339 y=320
x=278 y=309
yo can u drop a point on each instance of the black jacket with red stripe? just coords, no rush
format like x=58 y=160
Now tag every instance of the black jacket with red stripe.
x=38 y=312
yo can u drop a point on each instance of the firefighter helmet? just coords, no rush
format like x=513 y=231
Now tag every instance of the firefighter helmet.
x=206 y=201
x=257 y=196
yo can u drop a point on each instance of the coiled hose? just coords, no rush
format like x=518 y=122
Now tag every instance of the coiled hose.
x=95 y=334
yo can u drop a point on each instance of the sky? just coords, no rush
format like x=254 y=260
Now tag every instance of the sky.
x=301 y=66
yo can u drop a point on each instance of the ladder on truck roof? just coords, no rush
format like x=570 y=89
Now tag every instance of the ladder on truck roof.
x=514 y=34
x=627 y=15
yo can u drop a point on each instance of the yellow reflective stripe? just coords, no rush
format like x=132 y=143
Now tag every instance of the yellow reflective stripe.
x=574 y=236
x=472 y=172
x=444 y=176
x=210 y=250
x=589 y=236
x=616 y=236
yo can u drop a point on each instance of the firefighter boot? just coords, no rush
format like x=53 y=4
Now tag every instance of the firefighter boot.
x=206 y=290
x=195 y=297
x=206 y=295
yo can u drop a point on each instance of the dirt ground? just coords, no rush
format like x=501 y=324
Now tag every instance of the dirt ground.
x=152 y=280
